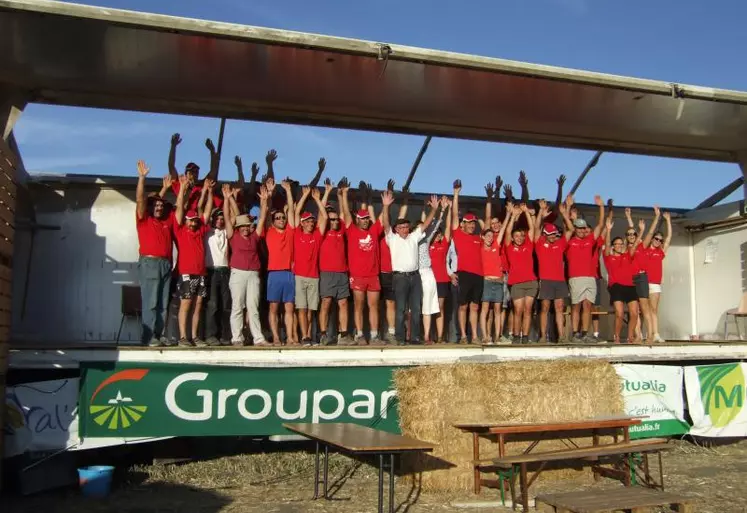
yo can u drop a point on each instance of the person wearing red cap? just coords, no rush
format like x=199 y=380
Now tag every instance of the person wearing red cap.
x=580 y=255
x=281 y=286
x=550 y=250
x=363 y=259
x=618 y=259
x=306 y=245
x=190 y=231
x=192 y=171
x=469 y=266
x=519 y=247
x=155 y=237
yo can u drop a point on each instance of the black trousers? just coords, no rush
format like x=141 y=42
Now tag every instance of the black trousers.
x=408 y=292
x=218 y=303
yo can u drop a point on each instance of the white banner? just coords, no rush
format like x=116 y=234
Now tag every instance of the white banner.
x=715 y=399
x=655 y=392
x=43 y=416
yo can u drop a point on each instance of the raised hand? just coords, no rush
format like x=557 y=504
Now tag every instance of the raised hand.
x=445 y=202
x=343 y=184
x=226 y=190
x=610 y=224
x=390 y=185
x=305 y=190
x=270 y=184
x=237 y=161
x=328 y=186
x=667 y=216
x=569 y=201
x=457 y=186
x=255 y=170
x=387 y=198
x=598 y=201
x=362 y=188
x=628 y=212
x=561 y=180
x=433 y=202
x=610 y=204
x=263 y=193
x=508 y=192
x=542 y=206
x=489 y=191
x=641 y=226
x=142 y=168
x=517 y=210
x=176 y=139
x=657 y=212
x=523 y=179
x=286 y=184
x=523 y=207
x=209 y=184
x=167 y=181
x=183 y=181
x=322 y=165
x=271 y=157
x=498 y=183
x=316 y=194
x=510 y=207
x=209 y=145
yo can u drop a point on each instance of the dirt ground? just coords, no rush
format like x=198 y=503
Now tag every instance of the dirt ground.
x=283 y=483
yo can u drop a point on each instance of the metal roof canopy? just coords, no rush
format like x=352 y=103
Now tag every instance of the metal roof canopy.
x=71 y=54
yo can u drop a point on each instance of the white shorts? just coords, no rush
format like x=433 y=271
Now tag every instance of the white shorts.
x=430 y=292
x=654 y=288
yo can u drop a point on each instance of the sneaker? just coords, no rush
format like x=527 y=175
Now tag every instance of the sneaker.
x=504 y=341
x=360 y=340
x=523 y=340
x=167 y=342
x=238 y=343
x=589 y=339
x=463 y=341
x=263 y=343
x=487 y=341
x=657 y=338
x=324 y=339
x=199 y=342
x=213 y=342
x=183 y=342
x=154 y=342
x=306 y=342
x=345 y=340
x=388 y=338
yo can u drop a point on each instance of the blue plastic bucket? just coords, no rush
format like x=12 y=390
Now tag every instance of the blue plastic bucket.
x=95 y=481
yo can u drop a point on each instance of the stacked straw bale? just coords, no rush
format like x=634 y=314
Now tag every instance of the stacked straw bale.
x=432 y=398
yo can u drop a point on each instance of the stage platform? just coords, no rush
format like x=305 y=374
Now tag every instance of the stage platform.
x=71 y=356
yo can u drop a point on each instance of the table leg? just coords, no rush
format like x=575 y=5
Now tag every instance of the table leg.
x=316 y=473
x=476 y=457
x=501 y=445
x=595 y=442
x=628 y=468
x=524 y=490
x=626 y=434
x=661 y=473
x=646 y=470
x=326 y=469
x=381 y=484
x=391 y=483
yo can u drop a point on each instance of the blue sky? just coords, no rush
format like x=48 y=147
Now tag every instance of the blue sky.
x=690 y=42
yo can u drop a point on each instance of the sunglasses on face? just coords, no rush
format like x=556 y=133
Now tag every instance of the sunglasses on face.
x=658 y=239
x=334 y=219
x=279 y=218
x=631 y=234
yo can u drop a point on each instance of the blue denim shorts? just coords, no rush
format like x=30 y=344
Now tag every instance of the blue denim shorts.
x=492 y=292
x=281 y=287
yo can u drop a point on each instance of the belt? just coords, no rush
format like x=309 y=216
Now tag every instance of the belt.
x=153 y=256
x=408 y=273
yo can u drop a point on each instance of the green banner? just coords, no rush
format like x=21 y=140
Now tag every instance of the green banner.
x=143 y=400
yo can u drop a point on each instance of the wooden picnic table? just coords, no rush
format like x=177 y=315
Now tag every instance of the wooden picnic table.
x=501 y=430
x=356 y=439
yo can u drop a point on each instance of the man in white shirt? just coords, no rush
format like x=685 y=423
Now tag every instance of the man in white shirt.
x=408 y=291
x=218 y=275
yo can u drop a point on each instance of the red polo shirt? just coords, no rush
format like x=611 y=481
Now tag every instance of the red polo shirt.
x=439 y=252
x=655 y=265
x=521 y=262
x=385 y=256
x=492 y=259
x=640 y=259
x=193 y=199
x=551 y=258
x=363 y=250
x=279 y=248
x=191 y=256
x=580 y=254
x=306 y=253
x=245 y=252
x=469 y=257
x=155 y=236
x=332 y=258
x=619 y=269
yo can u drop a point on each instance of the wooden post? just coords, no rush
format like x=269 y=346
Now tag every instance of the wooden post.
x=476 y=458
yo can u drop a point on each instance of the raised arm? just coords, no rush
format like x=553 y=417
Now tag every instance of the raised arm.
x=320 y=169
x=264 y=200
x=629 y=217
x=600 y=219
x=175 y=140
x=214 y=161
x=327 y=191
x=343 y=187
x=228 y=212
x=639 y=237
x=499 y=211
x=559 y=197
x=387 y=198
x=568 y=232
x=446 y=209
x=530 y=222
x=607 y=236
x=203 y=198
x=524 y=183
x=166 y=186
x=141 y=202
x=668 y=236
x=652 y=229
x=321 y=221
x=514 y=214
x=210 y=186
x=543 y=213
x=285 y=184
x=488 y=205
x=271 y=157
x=455 y=205
x=305 y=192
x=433 y=203
x=183 y=186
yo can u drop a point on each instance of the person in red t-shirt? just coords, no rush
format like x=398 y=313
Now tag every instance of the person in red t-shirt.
x=155 y=236
x=492 y=290
x=618 y=259
x=438 y=251
x=306 y=246
x=656 y=246
x=364 y=263
x=334 y=284
x=190 y=232
x=640 y=269
x=550 y=250
x=519 y=251
x=192 y=171
x=281 y=286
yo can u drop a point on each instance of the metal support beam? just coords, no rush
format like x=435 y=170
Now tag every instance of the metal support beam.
x=742 y=159
x=721 y=194
x=416 y=164
x=589 y=166
x=219 y=148
x=12 y=104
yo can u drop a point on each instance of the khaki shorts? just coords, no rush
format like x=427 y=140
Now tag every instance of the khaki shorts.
x=524 y=289
x=307 y=293
x=583 y=288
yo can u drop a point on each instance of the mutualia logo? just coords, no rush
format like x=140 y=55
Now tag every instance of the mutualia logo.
x=118 y=411
x=722 y=392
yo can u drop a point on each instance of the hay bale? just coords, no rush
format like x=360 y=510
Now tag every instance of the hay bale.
x=432 y=398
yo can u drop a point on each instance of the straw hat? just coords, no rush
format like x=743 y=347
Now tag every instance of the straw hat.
x=243 y=220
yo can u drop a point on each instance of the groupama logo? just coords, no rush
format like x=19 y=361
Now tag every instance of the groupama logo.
x=722 y=392
x=118 y=411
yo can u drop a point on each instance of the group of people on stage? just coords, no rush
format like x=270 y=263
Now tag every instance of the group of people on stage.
x=301 y=264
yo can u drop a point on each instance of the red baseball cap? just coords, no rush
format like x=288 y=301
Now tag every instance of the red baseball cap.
x=307 y=215
x=362 y=214
x=191 y=214
x=549 y=229
x=470 y=217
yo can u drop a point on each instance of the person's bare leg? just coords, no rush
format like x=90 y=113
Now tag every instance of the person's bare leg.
x=342 y=315
x=484 y=321
x=273 y=318
x=462 y=322
x=391 y=315
x=184 y=306
x=654 y=298
x=303 y=320
x=586 y=315
x=324 y=314
x=595 y=319
x=427 y=328
x=373 y=309
x=511 y=319
x=518 y=309
x=633 y=312
x=619 y=315
x=440 y=319
x=359 y=301
x=497 y=316
x=290 y=329
x=527 y=321
x=474 y=311
x=196 y=311
x=545 y=309
x=559 y=317
x=645 y=314
x=575 y=317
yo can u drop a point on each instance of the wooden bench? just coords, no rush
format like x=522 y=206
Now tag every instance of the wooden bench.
x=591 y=454
x=635 y=500
x=359 y=440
